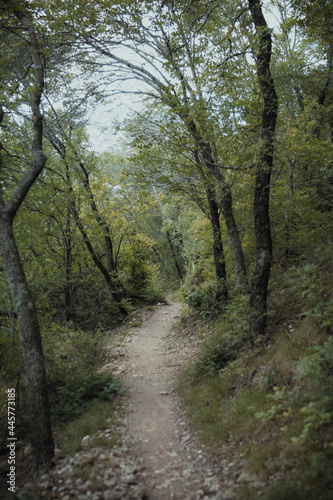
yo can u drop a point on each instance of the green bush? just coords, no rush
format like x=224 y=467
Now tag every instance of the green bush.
x=70 y=391
x=316 y=390
x=307 y=412
x=71 y=364
x=201 y=296
x=222 y=345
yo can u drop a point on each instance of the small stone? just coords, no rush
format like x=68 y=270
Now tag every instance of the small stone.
x=109 y=483
x=68 y=475
x=114 y=495
x=258 y=485
x=86 y=441
x=214 y=488
x=128 y=479
x=245 y=477
x=86 y=459
x=138 y=492
x=228 y=495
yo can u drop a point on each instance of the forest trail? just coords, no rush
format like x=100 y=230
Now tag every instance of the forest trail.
x=158 y=457
x=173 y=465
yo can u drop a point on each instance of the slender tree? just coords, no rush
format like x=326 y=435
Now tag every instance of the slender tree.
x=40 y=426
x=109 y=272
x=260 y=278
x=175 y=35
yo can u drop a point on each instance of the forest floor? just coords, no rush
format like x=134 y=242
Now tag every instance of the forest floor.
x=174 y=463
x=157 y=456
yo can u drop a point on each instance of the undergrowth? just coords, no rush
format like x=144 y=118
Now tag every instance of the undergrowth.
x=270 y=406
x=98 y=415
x=72 y=358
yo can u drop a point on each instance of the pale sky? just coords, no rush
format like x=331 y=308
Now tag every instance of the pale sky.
x=102 y=120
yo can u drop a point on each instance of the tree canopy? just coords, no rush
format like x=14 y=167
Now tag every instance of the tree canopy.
x=222 y=186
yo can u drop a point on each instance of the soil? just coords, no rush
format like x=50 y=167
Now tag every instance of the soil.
x=174 y=465
x=159 y=458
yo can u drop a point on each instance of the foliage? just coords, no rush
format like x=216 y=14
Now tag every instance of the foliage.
x=316 y=370
x=277 y=400
x=225 y=340
x=202 y=296
x=71 y=364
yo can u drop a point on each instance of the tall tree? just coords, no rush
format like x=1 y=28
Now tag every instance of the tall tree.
x=260 y=278
x=40 y=426
x=182 y=172
x=175 y=58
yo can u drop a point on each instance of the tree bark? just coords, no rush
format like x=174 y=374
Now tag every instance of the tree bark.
x=68 y=258
x=101 y=222
x=236 y=244
x=218 y=251
x=205 y=152
x=39 y=418
x=69 y=296
x=115 y=294
x=174 y=256
x=219 y=260
x=260 y=278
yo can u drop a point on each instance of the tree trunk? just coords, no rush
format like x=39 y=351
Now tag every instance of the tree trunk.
x=100 y=221
x=174 y=256
x=204 y=150
x=69 y=299
x=68 y=257
x=115 y=294
x=39 y=418
x=260 y=278
x=236 y=244
x=219 y=260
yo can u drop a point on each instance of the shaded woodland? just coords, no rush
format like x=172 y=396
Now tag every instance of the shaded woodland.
x=221 y=190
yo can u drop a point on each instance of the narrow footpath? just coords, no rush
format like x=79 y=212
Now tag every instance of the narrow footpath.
x=158 y=457
x=173 y=465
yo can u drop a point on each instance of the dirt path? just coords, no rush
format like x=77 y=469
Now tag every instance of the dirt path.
x=174 y=467
x=158 y=457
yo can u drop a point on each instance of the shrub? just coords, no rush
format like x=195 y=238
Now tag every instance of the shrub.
x=70 y=391
x=225 y=340
x=316 y=389
x=201 y=296
x=71 y=365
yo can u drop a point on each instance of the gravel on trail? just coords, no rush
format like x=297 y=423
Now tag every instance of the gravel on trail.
x=158 y=458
